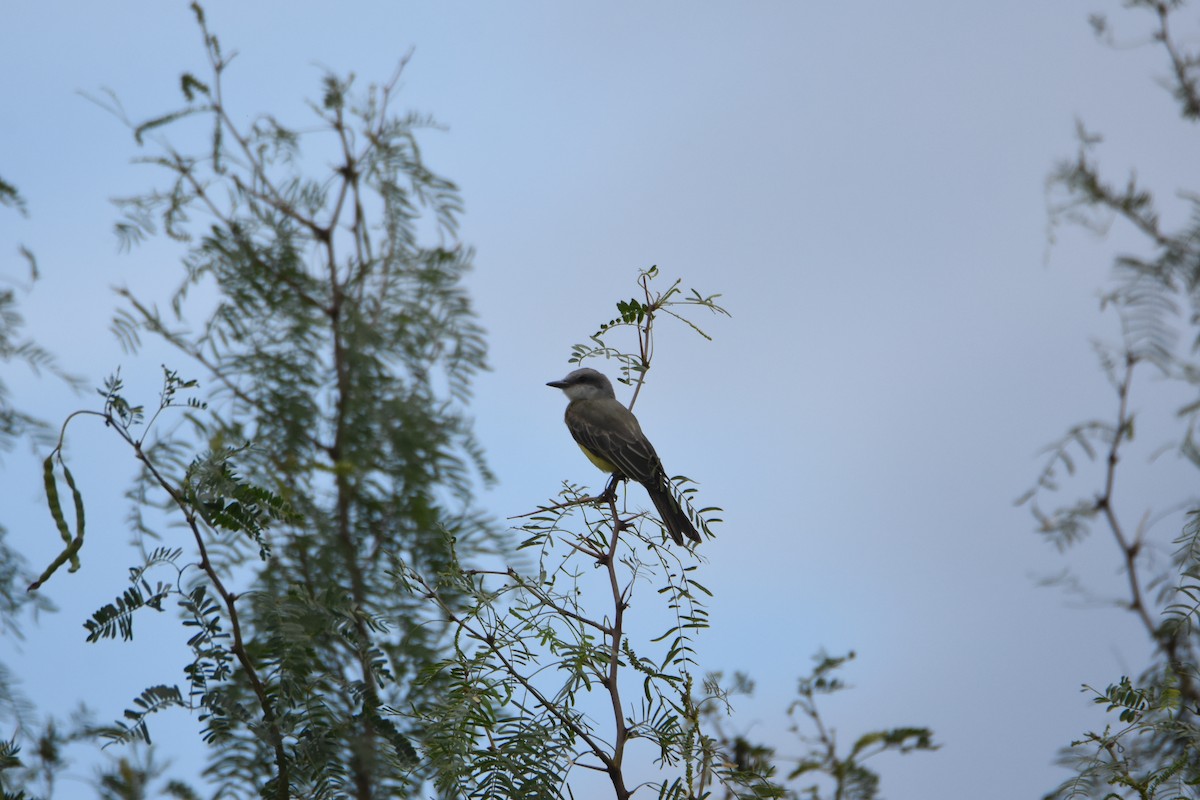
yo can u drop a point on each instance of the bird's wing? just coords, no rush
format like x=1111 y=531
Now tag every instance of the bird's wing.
x=610 y=431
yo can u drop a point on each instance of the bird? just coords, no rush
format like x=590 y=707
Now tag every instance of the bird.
x=609 y=435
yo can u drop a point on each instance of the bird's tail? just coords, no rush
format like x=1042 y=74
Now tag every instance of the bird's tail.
x=673 y=516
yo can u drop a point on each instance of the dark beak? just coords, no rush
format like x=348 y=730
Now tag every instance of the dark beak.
x=557 y=384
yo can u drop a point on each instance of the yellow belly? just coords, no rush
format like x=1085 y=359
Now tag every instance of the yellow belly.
x=600 y=463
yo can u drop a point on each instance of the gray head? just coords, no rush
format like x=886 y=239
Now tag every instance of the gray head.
x=585 y=384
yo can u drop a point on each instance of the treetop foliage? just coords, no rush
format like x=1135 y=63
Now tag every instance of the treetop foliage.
x=357 y=627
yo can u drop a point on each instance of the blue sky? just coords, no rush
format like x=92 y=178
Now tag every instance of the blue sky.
x=865 y=185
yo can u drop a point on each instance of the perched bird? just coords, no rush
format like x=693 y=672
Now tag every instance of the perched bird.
x=610 y=436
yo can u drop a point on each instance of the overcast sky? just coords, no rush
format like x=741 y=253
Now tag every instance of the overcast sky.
x=864 y=183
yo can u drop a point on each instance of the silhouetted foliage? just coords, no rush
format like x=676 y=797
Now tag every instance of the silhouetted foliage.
x=1152 y=748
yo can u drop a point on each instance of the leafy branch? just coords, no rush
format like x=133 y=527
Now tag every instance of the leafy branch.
x=203 y=506
x=640 y=316
x=543 y=654
x=1153 y=750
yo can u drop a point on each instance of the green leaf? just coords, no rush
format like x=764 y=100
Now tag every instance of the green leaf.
x=166 y=119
